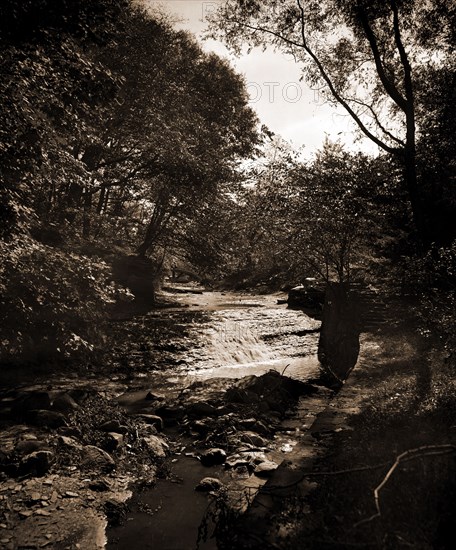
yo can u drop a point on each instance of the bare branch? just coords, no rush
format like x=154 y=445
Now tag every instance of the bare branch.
x=377 y=120
x=411 y=454
x=338 y=96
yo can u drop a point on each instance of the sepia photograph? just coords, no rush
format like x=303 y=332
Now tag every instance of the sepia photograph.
x=227 y=274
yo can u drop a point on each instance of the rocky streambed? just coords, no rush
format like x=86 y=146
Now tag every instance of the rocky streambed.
x=197 y=407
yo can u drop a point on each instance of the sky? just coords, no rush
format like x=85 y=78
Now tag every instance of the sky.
x=285 y=104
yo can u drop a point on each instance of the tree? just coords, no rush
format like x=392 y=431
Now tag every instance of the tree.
x=365 y=54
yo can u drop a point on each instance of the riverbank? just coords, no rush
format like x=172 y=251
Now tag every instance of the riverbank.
x=77 y=445
x=384 y=473
x=223 y=386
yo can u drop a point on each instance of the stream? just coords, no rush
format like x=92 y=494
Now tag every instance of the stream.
x=206 y=342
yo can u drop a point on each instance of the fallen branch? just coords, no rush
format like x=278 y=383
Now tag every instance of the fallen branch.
x=411 y=454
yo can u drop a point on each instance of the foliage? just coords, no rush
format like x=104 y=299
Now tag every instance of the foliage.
x=52 y=302
x=368 y=57
x=321 y=218
x=115 y=133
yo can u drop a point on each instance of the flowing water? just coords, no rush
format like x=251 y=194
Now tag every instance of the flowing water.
x=226 y=335
x=212 y=335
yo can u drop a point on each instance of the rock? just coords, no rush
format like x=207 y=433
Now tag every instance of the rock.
x=265 y=469
x=113 y=426
x=200 y=427
x=236 y=461
x=240 y=395
x=94 y=458
x=69 y=442
x=171 y=414
x=253 y=439
x=64 y=403
x=156 y=446
x=41 y=512
x=113 y=441
x=26 y=447
x=151 y=419
x=70 y=431
x=116 y=512
x=99 y=485
x=36 y=463
x=78 y=394
x=45 y=418
x=32 y=401
x=209 y=484
x=214 y=456
x=201 y=409
x=254 y=425
x=152 y=397
x=309 y=298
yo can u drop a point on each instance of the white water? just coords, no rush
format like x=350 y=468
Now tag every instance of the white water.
x=249 y=335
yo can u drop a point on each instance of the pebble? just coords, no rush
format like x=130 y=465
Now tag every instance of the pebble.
x=71 y=494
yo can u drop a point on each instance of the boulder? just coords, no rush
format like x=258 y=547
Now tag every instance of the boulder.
x=25 y=447
x=156 y=446
x=31 y=401
x=265 y=469
x=69 y=443
x=152 y=420
x=64 y=403
x=212 y=457
x=113 y=441
x=200 y=427
x=237 y=461
x=254 y=425
x=94 y=458
x=113 y=426
x=253 y=439
x=170 y=414
x=241 y=395
x=45 y=418
x=308 y=298
x=37 y=463
x=201 y=409
x=208 y=484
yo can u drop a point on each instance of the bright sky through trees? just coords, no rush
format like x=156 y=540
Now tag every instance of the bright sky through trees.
x=284 y=103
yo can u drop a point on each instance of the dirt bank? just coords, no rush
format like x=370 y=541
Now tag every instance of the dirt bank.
x=384 y=474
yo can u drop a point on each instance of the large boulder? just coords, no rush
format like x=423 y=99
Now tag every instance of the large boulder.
x=36 y=464
x=213 y=457
x=93 y=458
x=46 y=419
x=31 y=401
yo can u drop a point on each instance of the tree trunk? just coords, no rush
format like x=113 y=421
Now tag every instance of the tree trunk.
x=338 y=347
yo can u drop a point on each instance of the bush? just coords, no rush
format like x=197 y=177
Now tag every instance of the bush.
x=53 y=303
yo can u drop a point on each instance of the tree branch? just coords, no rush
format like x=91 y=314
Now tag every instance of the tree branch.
x=411 y=454
x=338 y=96
x=389 y=86
x=377 y=120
